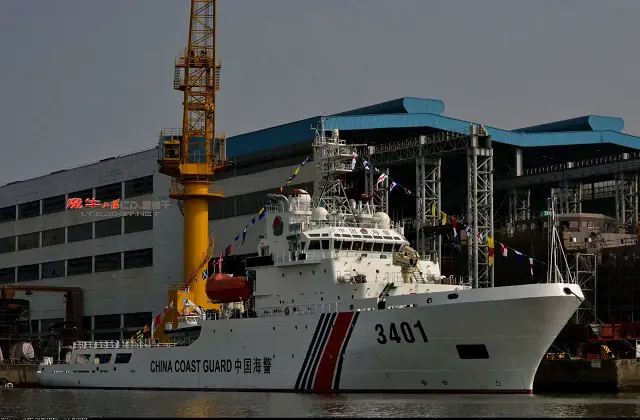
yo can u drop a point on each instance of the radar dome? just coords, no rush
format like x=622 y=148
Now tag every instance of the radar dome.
x=335 y=134
x=319 y=213
x=383 y=219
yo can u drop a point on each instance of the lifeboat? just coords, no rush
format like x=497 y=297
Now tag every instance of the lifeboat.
x=223 y=288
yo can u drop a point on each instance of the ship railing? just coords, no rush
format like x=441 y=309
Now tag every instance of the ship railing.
x=302 y=309
x=119 y=344
x=393 y=225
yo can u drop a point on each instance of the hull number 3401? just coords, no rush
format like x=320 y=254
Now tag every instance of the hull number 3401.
x=403 y=333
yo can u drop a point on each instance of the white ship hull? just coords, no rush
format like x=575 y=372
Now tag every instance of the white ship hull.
x=350 y=351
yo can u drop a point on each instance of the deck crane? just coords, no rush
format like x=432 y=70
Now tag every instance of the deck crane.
x=192 y=155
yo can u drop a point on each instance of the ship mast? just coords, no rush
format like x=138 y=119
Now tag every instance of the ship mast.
x=334 y=158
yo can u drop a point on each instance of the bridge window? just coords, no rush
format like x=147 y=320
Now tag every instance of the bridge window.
x=357 y=246
x=103 y=358
x=337 y=245
x=123 y=357
x=377 y=247
x=346 y=245
x=325 y=244
x=367 y=246
x=83 y=358
x=314 y=245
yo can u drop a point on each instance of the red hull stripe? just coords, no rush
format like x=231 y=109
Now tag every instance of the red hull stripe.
x=306 y=363
x=329 y=360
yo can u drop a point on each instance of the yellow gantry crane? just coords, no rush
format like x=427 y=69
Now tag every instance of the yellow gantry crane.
x=192 y=155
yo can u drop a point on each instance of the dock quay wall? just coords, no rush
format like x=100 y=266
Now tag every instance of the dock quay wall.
x=580 y=375
x=20 y=375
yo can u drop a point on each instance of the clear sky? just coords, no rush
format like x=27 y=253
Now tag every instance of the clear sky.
x=85 y=80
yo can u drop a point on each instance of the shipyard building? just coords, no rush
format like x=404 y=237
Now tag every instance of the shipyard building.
x=126 y=258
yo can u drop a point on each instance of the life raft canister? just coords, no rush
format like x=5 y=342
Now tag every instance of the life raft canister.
x=286 y=310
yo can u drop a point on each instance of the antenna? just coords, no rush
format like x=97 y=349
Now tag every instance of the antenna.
x=556 y=249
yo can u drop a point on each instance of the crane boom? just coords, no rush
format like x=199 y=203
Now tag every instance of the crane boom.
x=193 y=154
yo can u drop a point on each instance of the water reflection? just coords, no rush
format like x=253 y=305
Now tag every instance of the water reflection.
x=104 y=403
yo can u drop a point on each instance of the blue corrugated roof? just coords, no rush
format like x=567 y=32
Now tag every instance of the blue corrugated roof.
x=373 y=122
x=426 y=113
x=401 y=106
x=586 y=123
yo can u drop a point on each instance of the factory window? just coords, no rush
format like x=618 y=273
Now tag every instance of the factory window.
x=8 y=275
x=30 y=209
x=472 y=351
x=222 y=208
x=29 y=272
x=138 y=258
x=137 y=319
x=8 y=214
x=108 y=227
x=53 y=269
x=107 y=322
x=108 y=262
x=54 y=204
x=123 y=357
x=138 y=186
x=53 y=237
x=78 y=266
x=28 y=241
x=81 y=232
x=35 y=326
x=109 y=192
x=84 y=194
x=7 y=244
x=134 y=224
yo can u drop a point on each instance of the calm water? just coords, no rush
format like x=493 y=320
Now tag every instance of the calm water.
x=92 y=403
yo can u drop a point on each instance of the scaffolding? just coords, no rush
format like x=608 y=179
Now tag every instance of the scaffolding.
x=585 y=271
x=480 y=208
x=427 y=153
x=626 y=196
x=519 y=206
x=569 y=197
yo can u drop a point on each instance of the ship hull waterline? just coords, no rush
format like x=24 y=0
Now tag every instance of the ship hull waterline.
x=433 y=347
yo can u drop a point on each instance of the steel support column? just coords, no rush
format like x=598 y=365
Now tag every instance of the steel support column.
x=480 y=207
x=519 y=206
x=626 y=195
x=569 y=197
x=428 y=206
x=585 y=270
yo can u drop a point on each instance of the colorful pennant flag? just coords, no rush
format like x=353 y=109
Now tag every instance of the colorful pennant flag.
x=491 y=251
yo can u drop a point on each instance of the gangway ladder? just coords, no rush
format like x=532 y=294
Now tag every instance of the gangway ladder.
x=383 y=295
x=417 y=275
